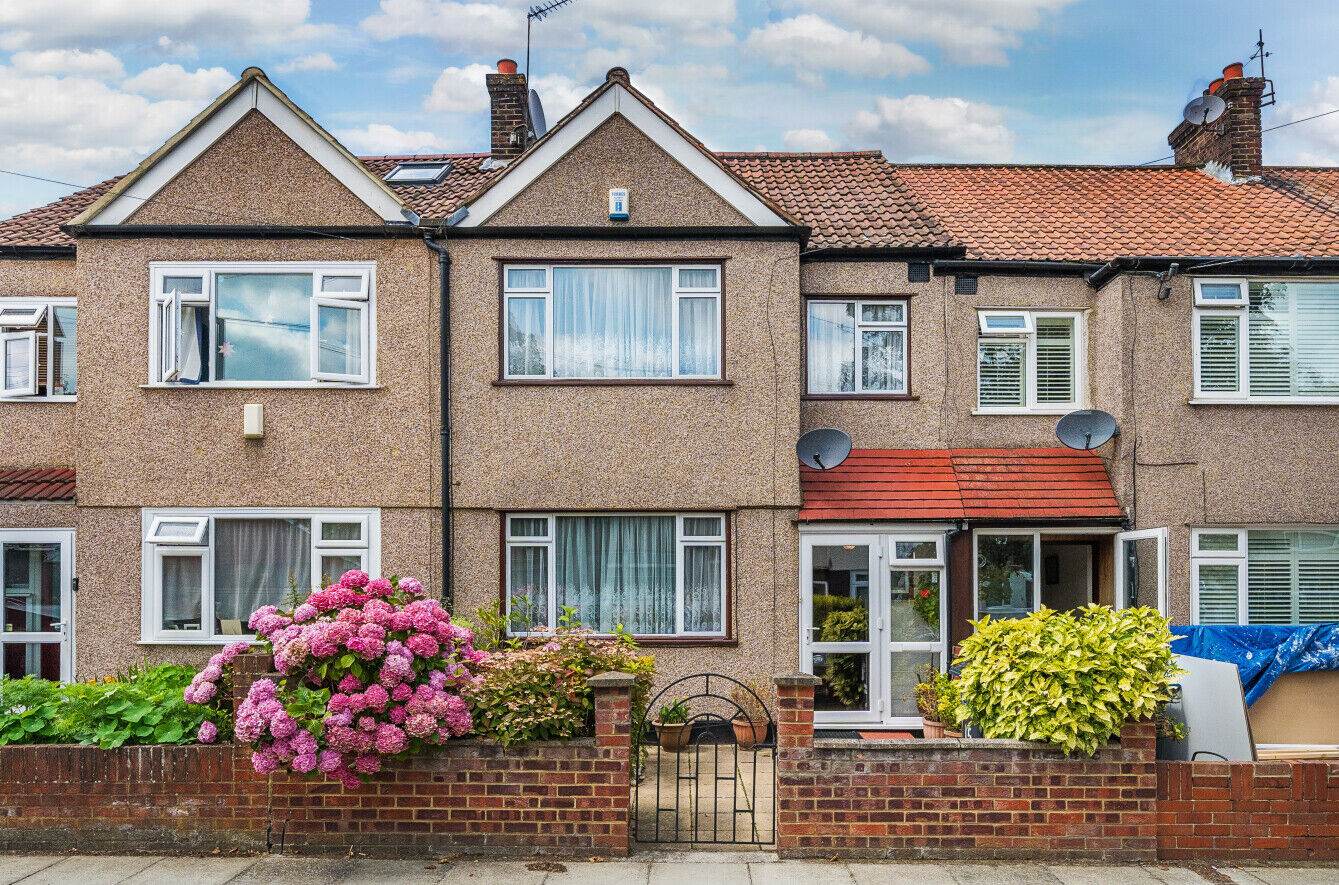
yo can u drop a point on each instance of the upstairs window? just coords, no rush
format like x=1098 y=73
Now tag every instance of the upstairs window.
x=593 y=322
x=1266 y=341
x=1265 y=576
x=37 y=349
x=857 y=347
x=258 y=325
x=1029 y=361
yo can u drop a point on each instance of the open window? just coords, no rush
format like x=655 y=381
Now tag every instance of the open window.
x=1005 y=322
x=177 y=530
x=28 y=316
x=18 y=355
x=37 y=340
x=339 y=322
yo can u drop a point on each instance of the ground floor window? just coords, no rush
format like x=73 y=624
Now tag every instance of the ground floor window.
x=1265 y=576
x=205 y=571
x=652 y=574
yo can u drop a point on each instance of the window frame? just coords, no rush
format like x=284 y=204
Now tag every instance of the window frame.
x=1240 y=557
x=45 y=310
x=1243 y=298
x=364 y=301
x=677 y=293
x=857 y=300
x=442 y=172
x=1241 y=310
x=1028 y=339
x=548 y=541
x=153 y=552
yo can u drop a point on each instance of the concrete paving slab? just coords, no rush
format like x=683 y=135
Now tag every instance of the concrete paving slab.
x=192 y=870
x=899 y=873
x=608 y=873
x=699 y=874
x=1239 y=877
x=91 y=870
x=485 y=872
x=1169 y=875
x=1003 y=874
x=14 y=868
x=1091 y=875
x=1289 y=875
x=791 y=872
x=295 y=871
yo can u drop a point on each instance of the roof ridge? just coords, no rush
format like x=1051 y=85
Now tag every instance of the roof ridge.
x=1122 y=167
x=471 y=156
x=797 y=155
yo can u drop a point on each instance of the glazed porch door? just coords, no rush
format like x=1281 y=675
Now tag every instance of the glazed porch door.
x=838 y=627
x=1141 y=569
x=36 y=583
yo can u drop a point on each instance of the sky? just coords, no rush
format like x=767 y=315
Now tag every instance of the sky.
x=87 y=90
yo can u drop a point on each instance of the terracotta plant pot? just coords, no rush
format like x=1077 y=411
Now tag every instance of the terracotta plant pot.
x=748 y=733
x=952 y=733
x=932 y=729
x=674 y=736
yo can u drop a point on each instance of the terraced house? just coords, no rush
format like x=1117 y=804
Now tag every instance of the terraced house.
x=223 y=379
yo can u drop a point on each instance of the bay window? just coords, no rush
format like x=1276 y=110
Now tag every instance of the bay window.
x=592 y=322
x=857 y=347
x=247 y=324
x=1029 y=361
x=1266 y=341
x=652 y=574
x=37 y=348
x=205 y=571
x=1265 y=576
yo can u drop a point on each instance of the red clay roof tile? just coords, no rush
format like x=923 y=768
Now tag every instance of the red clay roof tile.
x=36 y=483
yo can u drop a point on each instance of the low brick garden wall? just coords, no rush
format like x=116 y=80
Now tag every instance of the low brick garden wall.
x=568 y=797
x=958 y=799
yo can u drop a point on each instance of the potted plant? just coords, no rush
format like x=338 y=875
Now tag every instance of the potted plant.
x=751 y=723
x=673 y=730
x=937 y=700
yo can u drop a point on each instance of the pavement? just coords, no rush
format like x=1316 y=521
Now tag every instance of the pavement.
x=662 y=868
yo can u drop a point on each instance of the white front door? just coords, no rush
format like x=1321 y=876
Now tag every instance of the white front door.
x=37 y=586
x=872 y=615
x=1141 y=569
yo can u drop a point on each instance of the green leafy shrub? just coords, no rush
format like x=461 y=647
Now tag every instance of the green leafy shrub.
x=1068 y=679
x=28 y=711
x=538 y=692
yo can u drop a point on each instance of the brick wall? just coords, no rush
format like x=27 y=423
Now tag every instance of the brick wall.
x=1240 y=811
x=958 y=799
x=561 y=797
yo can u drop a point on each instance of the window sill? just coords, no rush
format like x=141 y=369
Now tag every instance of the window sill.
x=195 y=640
x=1309 y=401
x=1024 y=411
x=895 y=397
x=664 y=641
x=613 y=382
x=262 y=385
x=36 y=399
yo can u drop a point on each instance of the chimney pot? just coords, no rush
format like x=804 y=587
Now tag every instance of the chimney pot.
x=1234 y=71
x=1233 y=140
x=506 y=66
x=1213 y=87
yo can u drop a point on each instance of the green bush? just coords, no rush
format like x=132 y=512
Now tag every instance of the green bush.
x=141 y=706
x=1068 y=679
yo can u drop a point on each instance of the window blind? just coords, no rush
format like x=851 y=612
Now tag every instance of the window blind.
x=1000 y=373
x=1219 y=358
x=1055 y=360
x=1294 y=339
x=1292 y=577
x=1217 y=594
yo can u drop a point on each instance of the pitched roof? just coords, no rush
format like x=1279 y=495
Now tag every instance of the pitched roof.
x=36 y=483
x=41 y=226
x=1042 y=485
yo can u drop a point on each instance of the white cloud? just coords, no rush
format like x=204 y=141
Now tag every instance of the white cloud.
x=317 y=61
x=807 y=140
x=457 y=27
x=559 y=93
x=174 y=81
x=94 y=63
x=79 y=23
x=918 y=127
x=812 y=45
x=967 y=31
x=1313 y=143
x=459 y=90
x=378 y=138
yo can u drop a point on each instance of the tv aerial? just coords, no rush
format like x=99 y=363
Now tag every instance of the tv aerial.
x=823 y=449
x=1204 y=109
x=538 y=12
x=1086 y=429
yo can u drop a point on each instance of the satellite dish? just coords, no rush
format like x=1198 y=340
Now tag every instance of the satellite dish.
x=823 y=449
x=1086 y=429
x=1204 y=110
x=537 y=124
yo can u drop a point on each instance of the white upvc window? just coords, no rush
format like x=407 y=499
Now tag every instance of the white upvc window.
x=856 y=346
x=37 y=348
x=206 y=570
x=1264 y=575
x=1266 y=341
x=262 y=324
x=652 y=574
x=611 y=321
x=1030 y=362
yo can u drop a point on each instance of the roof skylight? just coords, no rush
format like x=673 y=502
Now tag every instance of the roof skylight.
x=418 y=173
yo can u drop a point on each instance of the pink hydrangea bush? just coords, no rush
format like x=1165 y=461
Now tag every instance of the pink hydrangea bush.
x=212 y=688
x=370 y=669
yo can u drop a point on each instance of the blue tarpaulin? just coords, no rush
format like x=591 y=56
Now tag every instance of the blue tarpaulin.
x=1262 y=654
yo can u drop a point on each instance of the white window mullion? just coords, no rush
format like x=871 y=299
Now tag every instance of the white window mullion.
x=552 y=544
x=679 y=595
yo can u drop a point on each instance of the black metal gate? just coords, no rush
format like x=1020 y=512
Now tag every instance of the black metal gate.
x=710 y=779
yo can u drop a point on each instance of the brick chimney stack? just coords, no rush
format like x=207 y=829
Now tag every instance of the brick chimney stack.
x=510 y=98
x=1233 y=140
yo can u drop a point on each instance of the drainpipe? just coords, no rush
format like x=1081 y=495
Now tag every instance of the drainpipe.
x=444 y=382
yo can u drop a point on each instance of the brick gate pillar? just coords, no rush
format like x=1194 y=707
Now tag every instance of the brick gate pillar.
x=794 y=752
x=613 y=742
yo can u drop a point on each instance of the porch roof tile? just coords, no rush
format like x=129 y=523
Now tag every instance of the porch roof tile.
x=937 y=484
x=36 y=483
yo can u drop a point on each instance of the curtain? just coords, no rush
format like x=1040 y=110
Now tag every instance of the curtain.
x=831 y=348
x=617 y=570
x=698 y=336
x=528 y=591
x=881 y=360
x=181 y=592
x=525 y=336
x=612 y=322
x=256 y=562
x=702 y=589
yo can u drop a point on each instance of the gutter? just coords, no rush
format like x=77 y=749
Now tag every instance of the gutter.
x=20 y=252
x=1027 y=268
x=1236 y=266
x=626 y=232
x=242 y=231
x=883 y=253
x=444 y=382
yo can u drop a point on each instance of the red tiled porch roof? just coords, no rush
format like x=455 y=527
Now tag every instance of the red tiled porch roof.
x=986 y=484
x=36 y=483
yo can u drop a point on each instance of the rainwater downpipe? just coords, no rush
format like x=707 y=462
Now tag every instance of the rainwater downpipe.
x=444 y=383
